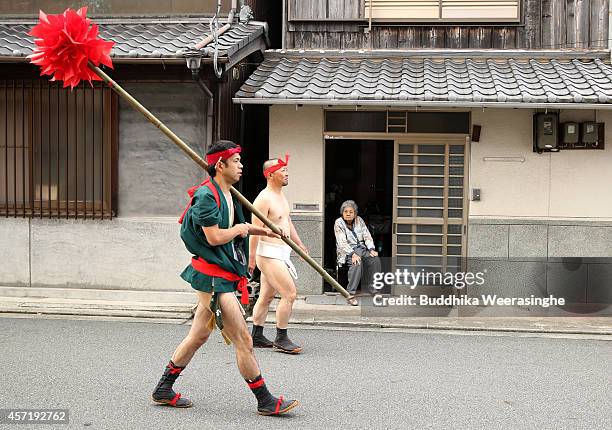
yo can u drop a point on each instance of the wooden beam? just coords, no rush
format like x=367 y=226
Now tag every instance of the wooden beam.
x=599 y=24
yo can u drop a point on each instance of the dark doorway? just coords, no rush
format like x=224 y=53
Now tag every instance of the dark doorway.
x=359 y=170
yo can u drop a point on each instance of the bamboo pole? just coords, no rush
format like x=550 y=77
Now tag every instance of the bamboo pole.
x=200 y=161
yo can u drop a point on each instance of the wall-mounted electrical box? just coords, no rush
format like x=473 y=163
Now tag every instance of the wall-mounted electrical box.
x=545 y=132
x=570 y=133
x=586 y=135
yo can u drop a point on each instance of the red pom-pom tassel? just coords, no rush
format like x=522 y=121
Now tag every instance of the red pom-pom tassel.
x=65 y=43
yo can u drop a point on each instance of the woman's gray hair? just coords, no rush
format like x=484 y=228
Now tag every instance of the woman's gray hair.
x=346 y=204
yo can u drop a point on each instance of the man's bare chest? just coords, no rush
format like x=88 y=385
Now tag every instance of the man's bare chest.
x=279 y=209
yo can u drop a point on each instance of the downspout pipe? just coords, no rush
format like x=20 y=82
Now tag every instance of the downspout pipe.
x=209 y=111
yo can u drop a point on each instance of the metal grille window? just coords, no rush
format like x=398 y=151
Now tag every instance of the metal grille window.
x=57 y=150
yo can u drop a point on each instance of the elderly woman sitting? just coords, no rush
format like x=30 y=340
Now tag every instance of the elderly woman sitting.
x=355 y=247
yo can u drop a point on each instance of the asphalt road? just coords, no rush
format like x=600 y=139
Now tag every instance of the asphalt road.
x=104 y=372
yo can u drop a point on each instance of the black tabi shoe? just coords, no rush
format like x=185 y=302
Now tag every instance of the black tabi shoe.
x=261 y=341
x=164 y=394
x=285 y=345
x=279 y=407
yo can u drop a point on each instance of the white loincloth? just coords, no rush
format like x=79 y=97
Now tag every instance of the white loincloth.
x=278 y=251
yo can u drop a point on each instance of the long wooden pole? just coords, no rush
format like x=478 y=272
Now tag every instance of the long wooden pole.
x=200 y=161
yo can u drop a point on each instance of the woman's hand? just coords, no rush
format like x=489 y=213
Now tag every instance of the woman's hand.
x=373 y=253
x=355 y=260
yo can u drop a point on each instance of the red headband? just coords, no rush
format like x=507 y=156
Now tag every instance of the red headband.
x=277 y=166
x=213 y=158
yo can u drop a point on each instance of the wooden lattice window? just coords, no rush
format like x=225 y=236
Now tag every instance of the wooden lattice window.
x=57 y=150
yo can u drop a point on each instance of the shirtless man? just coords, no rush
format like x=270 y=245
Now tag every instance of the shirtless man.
x=272 y=256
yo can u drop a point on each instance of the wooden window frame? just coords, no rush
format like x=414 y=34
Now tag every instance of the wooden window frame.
x=79 y=183
x=442 y=19
x=364 y=16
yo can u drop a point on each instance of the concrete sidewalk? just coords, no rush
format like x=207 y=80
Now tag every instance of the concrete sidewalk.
x=349 y=316
x=322 y=310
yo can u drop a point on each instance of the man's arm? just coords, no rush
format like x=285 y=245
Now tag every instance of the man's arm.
x=293 y=234
x=219 y=236
x=263 y=205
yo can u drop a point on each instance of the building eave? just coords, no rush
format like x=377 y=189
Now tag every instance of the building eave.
x=419 y=104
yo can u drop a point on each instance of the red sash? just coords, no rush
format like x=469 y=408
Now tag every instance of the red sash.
x=210 y=269
x=191 y=191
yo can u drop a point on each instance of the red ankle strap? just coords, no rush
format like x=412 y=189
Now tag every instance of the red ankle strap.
x=174 y=370
x=278 y=405
x=256 y=384
x=175 y=399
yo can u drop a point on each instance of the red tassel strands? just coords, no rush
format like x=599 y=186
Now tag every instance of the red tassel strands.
x=64 y=45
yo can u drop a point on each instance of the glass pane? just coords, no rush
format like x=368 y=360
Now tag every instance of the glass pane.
x=429 y=229
x=404 y=261
x=455 y=171
x=434 y=192
x=405 y=212
x=430 y=170
x=356 y=121
x=404 y=250
x=403 y=180
x=455 y=192
x=454 y=261
x=431 y=149
x=430 y=203
x=407 y=159
x=454 y=250
x=456 y=159
x=429 y=213
x=438 y=122
x=433 y=261
x=430 y=159
x=455 y=228
x=404 y=228
x=432 y=181
x=455 y=181
x=406 y=170
x=429 y=239
x=434 y=250
x=453 y=240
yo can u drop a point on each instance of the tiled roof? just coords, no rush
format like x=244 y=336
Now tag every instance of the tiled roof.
x=371 y=78
x=138 y=38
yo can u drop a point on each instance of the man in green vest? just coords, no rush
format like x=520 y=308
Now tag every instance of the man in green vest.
x=213 y=229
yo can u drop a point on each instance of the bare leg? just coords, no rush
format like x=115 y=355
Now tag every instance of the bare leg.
x=266 y=295
x=278 y=277
x=280 y=280
x=198 y=334
x=236 y=330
